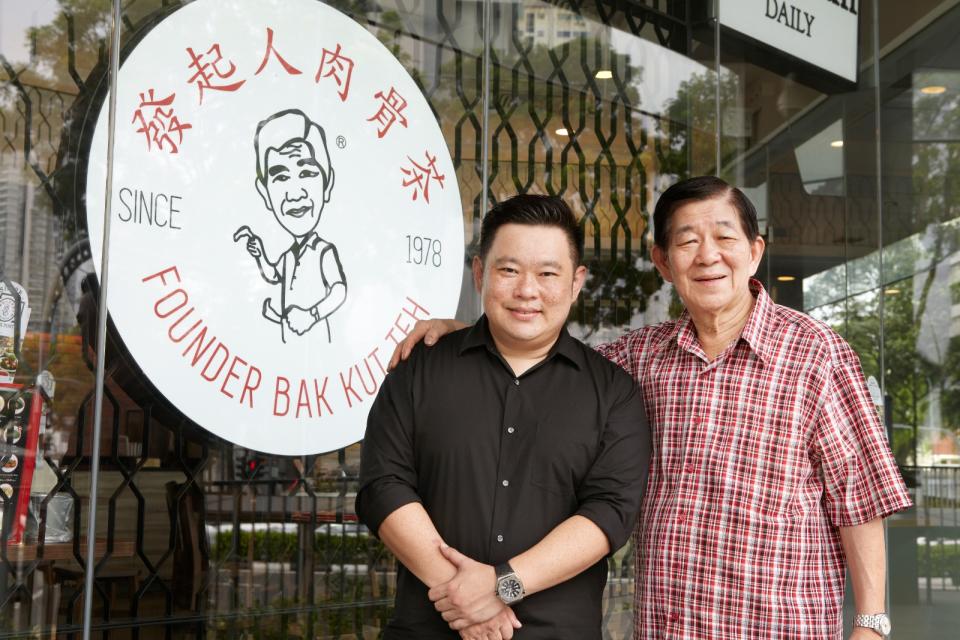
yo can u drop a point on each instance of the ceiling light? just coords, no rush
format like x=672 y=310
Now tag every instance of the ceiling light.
x=562 y=132
x=891 y=292
x=604 y=74
x=933 y=89
x=786 y=278
x=837 y=144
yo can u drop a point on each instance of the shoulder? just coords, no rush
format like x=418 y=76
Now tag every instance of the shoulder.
x=606 y=373
x=809 y=338
x=639 y=341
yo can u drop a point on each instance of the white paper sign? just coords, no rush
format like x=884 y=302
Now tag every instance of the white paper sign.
x=820 y=32
x=284 y=209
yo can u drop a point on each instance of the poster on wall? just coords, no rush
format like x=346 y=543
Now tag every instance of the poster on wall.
x=284 y=209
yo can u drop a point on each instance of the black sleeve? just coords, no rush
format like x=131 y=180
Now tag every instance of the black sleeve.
x=611 y=493
x=388 y=474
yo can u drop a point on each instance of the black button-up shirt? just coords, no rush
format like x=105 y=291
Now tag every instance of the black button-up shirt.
x=498 y=461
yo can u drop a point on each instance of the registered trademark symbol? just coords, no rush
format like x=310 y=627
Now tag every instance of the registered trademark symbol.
x=341 y=142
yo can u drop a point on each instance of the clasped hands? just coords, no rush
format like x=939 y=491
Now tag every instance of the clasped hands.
x=468 y=601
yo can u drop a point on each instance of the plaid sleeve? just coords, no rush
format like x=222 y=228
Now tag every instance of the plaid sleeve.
x=861 y=478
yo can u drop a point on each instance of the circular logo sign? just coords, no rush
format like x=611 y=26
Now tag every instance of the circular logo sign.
x=284 y=208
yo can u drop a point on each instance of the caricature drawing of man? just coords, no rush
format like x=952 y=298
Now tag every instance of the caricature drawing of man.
x=295 y=179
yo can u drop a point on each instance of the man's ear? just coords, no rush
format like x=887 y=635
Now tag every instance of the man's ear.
x=478 y=274
x=756 y=254
x=262 y=190
x=659 y=257
x=579 y=277
x=328 y=187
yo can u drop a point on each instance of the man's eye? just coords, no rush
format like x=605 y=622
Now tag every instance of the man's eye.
x=307 y=173
x=281 y=177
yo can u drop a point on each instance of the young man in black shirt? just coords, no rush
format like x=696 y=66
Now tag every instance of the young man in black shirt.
x=504 y=464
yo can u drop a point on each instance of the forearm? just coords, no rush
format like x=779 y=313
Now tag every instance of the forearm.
x=865 y=551
x=332 y=302
x=268 y=271
x=573 y=546
x=409 y=533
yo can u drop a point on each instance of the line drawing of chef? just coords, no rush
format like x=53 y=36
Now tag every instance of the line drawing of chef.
x=295 y=180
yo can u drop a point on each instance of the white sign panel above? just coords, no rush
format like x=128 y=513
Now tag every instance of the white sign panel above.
x=820 y=32
x=284 y=208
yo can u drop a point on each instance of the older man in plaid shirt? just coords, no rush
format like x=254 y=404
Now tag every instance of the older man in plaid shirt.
x=770 y=472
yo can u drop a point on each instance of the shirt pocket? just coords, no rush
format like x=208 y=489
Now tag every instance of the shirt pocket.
x=761 y=463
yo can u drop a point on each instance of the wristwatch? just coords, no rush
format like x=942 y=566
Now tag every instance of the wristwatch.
x=879 y=622
x=509 y=588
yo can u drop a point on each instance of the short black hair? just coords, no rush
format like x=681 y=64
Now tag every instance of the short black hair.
x=697 y=190
x=535 y=210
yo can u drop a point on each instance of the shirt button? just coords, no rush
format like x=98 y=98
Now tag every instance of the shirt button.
x=681 y=517
x=696 y=420
x=516 y=381
x=674 y=616
x=510 y=429
x=506 y=483
x=499 y=538
x=689 y=468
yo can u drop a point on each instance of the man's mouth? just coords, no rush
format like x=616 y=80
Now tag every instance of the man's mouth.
x=523 y=313
x=708 y=280
x=298 y=212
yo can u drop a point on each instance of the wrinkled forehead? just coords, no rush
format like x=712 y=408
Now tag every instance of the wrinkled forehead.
x=292 y=152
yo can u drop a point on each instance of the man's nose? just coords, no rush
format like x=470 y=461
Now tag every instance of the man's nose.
x=526 y=286
x=296 y=192
x=708 y=251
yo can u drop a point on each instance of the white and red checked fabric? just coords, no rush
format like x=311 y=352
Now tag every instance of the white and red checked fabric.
x=758 y=457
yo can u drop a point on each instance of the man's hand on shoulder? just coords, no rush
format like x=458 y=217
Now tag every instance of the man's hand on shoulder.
x=427 y=330
x=470 y=596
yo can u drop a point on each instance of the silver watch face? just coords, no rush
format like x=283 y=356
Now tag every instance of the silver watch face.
x=884 y=625
x=509 y=589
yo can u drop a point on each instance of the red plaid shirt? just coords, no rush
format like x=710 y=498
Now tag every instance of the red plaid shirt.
x=758 y=457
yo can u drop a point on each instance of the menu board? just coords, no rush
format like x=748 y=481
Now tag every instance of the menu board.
x=20 y=411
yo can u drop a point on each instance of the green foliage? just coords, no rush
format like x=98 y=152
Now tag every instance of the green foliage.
x=939 y=560
x=279 y=546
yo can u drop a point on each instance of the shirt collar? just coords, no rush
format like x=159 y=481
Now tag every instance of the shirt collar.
x=756 y=332
x=310 y=241
x=479 y=336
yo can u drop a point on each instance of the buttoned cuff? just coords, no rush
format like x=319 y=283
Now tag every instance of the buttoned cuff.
x=609 y=520
x=375 y=502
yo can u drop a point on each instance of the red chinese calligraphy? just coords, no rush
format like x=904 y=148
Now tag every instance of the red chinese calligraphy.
x=159 y=125
x=390 y=111
x=336 y=66
x=208 y=72
x=292 y=70
x=419 y=176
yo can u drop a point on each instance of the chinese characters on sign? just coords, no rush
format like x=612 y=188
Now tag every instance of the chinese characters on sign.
x=160 y=125
x=390 y=111
x=336 y=66
x=204 y=78
x=420 y=176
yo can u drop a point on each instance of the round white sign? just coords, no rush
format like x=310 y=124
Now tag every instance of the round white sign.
x=284 y=209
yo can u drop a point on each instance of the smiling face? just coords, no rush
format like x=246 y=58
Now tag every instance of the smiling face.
x=528 y=281
x=294 y=187
x=709 y=258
